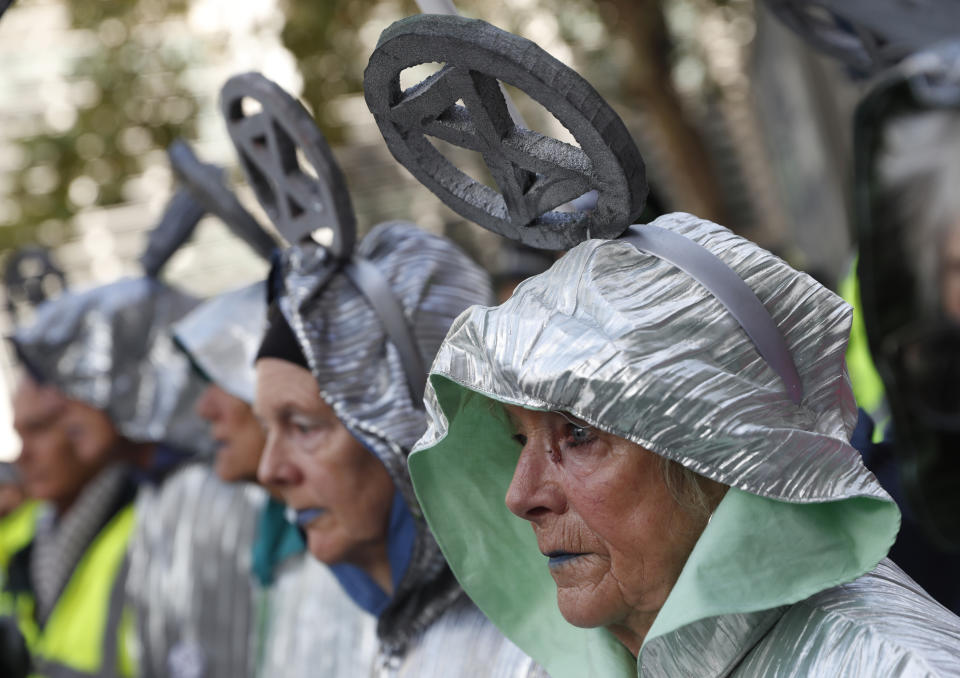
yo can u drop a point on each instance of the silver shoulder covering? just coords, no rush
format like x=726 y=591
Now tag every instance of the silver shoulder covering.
x=464 y=643
x=309 y=627
x=189 y=581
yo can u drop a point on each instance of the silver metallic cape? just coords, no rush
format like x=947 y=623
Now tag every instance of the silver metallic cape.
x=465 y=644
x=109 y=347
x=189 y=578
x=634 y=346
x=308 y=626
x=880 y=625
x=361 y=378
x=222 y=336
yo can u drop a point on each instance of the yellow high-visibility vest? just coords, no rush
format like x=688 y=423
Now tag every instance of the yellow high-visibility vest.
x=89 y=633
x=16 y=531
x=867 y=386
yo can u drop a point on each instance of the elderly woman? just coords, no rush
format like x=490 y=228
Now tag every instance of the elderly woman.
x=337 y=385
x=305 y=625
x=692 y=513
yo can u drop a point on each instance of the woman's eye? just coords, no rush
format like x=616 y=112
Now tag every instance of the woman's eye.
x=304 y=426
x=579 y=435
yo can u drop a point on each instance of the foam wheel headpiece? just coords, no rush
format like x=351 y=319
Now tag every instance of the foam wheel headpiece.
x=535 y=174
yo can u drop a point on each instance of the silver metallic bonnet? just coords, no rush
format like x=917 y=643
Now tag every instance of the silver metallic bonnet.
x=356 y=366
x=361 y=376
x=633 y=345
x=223 y=335
x=110 y=347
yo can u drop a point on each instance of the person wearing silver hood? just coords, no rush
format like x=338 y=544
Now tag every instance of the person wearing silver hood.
x=689 y=518
x=182 y=596
x=639 y=464
x=339 y=390
x=333 y=393
x=98 y=381
x=305 y=625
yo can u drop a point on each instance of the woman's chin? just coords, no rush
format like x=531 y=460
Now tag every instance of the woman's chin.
x=319 y=546
x=583 y=610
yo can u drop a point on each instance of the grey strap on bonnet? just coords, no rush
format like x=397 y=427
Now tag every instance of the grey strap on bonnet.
x=307 y=193
x=730 y=290
x=607 y=159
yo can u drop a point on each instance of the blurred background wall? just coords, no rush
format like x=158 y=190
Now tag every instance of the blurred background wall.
x=737 y=120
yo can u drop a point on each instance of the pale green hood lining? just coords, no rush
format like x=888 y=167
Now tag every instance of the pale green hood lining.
x=786 y=553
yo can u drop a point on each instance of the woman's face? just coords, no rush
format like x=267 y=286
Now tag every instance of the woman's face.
x=342 y=493
x=237 y=432
x=612 y=534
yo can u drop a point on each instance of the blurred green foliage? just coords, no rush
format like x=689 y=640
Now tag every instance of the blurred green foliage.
x=323 y=38
x=127 y=101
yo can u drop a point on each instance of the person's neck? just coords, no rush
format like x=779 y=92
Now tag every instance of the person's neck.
x=633 y=630
x=376 y=563
x=62 y=505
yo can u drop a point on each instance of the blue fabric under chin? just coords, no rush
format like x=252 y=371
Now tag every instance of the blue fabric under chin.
x=275 y=541
x=401 y=537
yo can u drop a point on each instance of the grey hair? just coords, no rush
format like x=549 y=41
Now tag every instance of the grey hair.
x=919 y=172
x=695 y=494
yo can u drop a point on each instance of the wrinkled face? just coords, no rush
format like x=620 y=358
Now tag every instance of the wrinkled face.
x=64 y=443
x=342 y=493
x=611 y=532
x=239 y=436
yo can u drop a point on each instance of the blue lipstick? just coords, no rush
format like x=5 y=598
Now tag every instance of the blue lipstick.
x=303 y=517
x=557 y=558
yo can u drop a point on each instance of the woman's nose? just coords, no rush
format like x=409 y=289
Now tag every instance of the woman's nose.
x=534 y=492
x=206 y=406
x=276 y=468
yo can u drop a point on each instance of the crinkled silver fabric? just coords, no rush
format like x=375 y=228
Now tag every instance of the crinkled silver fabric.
x=465 y=644
x=110 y=347
x=222 y=336
x=308 y=626
x=361 y=377
x=881 y=624
x=189 y=579
x=637 y=348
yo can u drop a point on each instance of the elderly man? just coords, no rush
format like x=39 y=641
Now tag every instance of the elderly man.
x=106 y=398
x=71 y=571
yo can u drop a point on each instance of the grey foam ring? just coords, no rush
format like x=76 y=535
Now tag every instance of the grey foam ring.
x=536 y=174
x=205 y=183
x=267 y=142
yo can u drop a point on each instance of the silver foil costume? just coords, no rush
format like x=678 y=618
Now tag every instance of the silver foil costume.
x=304 y=624
x=428 y=628
x=309 y=626
x=190 y=576
x=109 y=348
x=632 y=345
